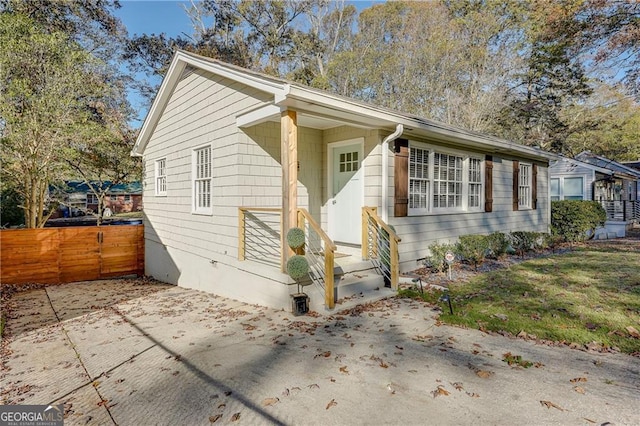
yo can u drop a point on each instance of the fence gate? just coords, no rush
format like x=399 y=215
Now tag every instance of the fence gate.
x=58 y=255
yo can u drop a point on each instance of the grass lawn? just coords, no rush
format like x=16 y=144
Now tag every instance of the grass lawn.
x=590 y=294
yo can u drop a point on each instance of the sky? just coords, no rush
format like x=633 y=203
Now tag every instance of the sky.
x=153 y=16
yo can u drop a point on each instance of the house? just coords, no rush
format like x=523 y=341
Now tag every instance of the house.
x=235 y=158
x=79 y=199
x=592 y=177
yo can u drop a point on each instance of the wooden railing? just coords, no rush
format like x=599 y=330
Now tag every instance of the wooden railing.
x=320 y=252
x=259 y=232
x=380 y=245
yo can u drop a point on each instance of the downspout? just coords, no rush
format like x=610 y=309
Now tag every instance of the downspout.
x=385 y=170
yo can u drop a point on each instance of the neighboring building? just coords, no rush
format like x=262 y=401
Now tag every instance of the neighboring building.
x=235 y=158
x=591 y=177
x=79 y=199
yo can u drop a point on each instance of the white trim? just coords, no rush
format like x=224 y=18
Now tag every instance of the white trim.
x=529 y=185
x=195 y=208
x=257 y=116
x=561 y=178
x=464 y=207
x=158 y=192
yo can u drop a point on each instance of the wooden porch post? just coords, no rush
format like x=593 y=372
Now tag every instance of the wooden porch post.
x=289 y=160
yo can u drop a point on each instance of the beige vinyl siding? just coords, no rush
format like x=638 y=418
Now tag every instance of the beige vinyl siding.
x=202 y=110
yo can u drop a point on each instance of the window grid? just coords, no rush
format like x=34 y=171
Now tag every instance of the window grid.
x=349 y=162
x=161 y=176
x=92 y=199
x=447 y=179
x=475 y=182
x=524 y=187
x=418 y=178
x=202 y=181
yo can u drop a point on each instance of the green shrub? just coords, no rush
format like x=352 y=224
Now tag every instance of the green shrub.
x=498 y=244
x=473 y=248
x=437 y=252
x=297 y=267
x=295 y=238
x=576 y=220
x=523 y=241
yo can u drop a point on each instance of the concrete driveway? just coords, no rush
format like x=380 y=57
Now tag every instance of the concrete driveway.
x=130 y=352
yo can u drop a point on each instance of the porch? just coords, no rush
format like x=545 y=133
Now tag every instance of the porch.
x=338 y=272
x=621 y=216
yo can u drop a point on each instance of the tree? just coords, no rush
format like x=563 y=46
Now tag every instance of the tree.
x=43 y=82
x=57 y=102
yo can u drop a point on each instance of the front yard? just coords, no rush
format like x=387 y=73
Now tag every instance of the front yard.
x=588 y=297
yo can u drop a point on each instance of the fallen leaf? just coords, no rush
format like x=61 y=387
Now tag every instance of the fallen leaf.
x=578 y=379
x=473 y=395
x=331 y=403
x=235 y=417
x=286 y=392
x=457 y=385
x=484 y=374
x=270 y=401
x=440 y=390
x=589 y=420
x=633 y=332
x=550 y=404
x=213 y=419
x=579 y=389
x=314 y=385
x=326 y=354
x=221 y=406
x=343 y=369
x=383 y=365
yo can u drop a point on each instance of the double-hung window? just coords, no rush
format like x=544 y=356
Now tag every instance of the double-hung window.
x=524 y=187
x=202 y=180
x=441 y=181
x=161 y=176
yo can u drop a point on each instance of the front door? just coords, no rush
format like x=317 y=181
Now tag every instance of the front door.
x=345 y=192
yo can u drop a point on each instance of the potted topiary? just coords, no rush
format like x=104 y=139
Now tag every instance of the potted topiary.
x=298 y=269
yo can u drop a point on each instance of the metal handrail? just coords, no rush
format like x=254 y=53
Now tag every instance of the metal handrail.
x=380 y=245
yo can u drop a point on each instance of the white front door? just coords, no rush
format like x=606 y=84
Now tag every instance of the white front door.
x=345 y=192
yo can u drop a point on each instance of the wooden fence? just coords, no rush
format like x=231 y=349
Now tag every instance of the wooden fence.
x=59 y=255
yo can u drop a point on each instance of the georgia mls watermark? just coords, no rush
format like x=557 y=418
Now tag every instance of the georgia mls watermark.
x=31 y=415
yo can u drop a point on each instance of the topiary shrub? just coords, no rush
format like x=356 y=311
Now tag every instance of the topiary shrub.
x=295 y=238
x=297 y=267
x=472 y=249
x=576 y=220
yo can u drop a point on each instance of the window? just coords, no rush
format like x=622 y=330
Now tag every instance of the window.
x=567 y=188
x=443 y=181
x=202 y=180
x=161 y=176
x=349 y=162
x=418 y=179
x=92 y=199
x=113 y=197
x=475 y=182
x=573 y=188
x=524 y=186
x=127 y=198
x=447 y=181
x=554 y=190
